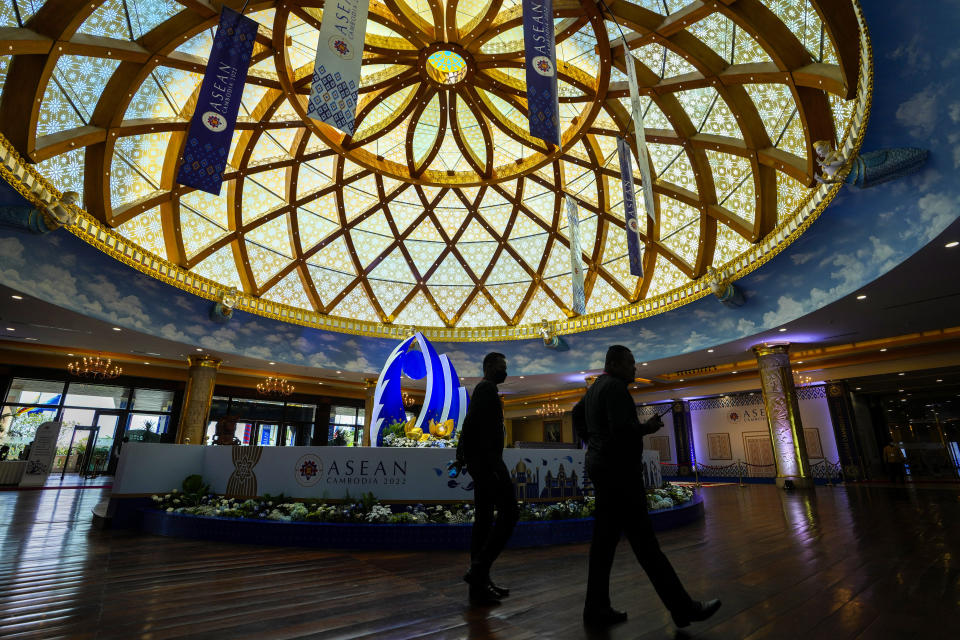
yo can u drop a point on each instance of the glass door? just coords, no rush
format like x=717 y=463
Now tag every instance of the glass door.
x=106 y=447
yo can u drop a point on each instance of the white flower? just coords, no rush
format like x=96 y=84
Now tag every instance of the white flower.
x=169 y=509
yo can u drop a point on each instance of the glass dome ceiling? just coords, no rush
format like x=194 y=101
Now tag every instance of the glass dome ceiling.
x=441 y=210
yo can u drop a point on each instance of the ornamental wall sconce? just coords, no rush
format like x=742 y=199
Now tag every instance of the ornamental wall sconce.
x=95 y=368
x=408 y=400
x=274 y=387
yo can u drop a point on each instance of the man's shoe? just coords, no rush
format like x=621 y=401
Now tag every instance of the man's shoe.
x=502 y=592
x=603 y=617
x=698 y=612
x=483 y=595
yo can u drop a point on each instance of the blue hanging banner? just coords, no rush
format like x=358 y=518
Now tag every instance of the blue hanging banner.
x=634 y=244
x=576 y=257
x=211 y=129
x=541 y=54
x=336 y=69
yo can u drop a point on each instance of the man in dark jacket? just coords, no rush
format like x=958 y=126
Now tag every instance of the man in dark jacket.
x=606 y=418
x=481 y=451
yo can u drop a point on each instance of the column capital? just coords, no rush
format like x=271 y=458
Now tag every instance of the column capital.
x=203 y=360
x=771 y=348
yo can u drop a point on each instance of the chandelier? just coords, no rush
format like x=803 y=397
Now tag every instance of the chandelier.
x=96 y=368
x=801 y=380
x=274 y=387
x=549 y=410
x=407 y=400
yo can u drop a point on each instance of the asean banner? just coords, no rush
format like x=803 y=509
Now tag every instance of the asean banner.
x=336 y=70
x=541 y=54
x=211 y=129
x=630 y=207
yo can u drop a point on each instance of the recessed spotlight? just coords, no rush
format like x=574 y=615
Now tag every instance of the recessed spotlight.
x=17 y=297
x=117 y=329
x=199 y=349
x=800 y=362
x=69 y=354
x=939 y=380
x=734 y=372
x=709 y=350
x=31 y=338
x=146 y=363
x=900 y=390
x=862 y=297
x=643 y=364
x=582 y=372
x=949 y=245
x=857 y=389
x=10 y=329
x=782 y=329
x=903 y=399
x=901 y=374
x=683 y=379
x=338 y=372
x=882 y=350
x=276 y=363
x=522 y=377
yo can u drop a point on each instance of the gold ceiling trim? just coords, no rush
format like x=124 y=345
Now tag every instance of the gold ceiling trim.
x=25 y=178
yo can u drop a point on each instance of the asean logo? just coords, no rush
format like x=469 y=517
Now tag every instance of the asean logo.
x=543 y=66
x=308 y=470
x=214 y=121
x=340 y=47
x=733 y=416
x=634 y=225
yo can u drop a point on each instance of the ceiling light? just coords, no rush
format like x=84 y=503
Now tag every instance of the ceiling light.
x=31 y=338
x=782 y=329
x=522 y=377
x=861 y=297
x=682 y=379
x=69 y=354
x=338 y=372
x=882 y=350
x=582 y=372
x=733 y=372
x=117 y=329
x=709 y=350
x=17 y=297
x=643 y=364
x=10 y=329
x=900 y=390
x=901 y=373
x=199 y=349
x=939 y=379
x=146 y=363
x=857 y=389
x=949 y=245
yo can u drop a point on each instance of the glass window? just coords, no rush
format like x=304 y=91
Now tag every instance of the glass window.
x=218 y=408
x=256 y=409
x=152 y=400
x=26 y=391
x=98 y=396
x=300 y=412
x=77 y=417
x=18 y=426
x=149 y=426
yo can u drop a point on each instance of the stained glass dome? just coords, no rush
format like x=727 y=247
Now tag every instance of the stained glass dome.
x=441 y=210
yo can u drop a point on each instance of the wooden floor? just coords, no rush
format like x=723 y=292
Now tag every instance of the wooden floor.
x=856 y=562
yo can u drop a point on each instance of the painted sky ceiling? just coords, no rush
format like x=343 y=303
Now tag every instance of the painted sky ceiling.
x=440 y=210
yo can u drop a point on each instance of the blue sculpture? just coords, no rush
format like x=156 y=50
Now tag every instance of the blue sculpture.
x=445 y=400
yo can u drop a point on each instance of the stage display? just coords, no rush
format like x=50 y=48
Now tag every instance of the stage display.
x=444 y=403
x=390 y=474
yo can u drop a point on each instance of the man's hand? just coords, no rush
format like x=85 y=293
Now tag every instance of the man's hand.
x=652 y=425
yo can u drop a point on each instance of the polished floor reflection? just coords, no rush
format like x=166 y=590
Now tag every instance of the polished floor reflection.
x=854 y=562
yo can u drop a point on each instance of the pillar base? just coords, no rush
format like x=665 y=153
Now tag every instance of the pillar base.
x=798 y=483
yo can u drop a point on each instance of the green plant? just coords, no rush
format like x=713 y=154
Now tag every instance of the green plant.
x=339 y=439
x=194 y=489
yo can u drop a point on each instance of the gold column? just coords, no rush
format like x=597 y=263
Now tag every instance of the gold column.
x=783 y=415
x=196 y=401
x=370 y=389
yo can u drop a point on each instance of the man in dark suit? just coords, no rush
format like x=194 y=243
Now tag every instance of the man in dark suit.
x=481 y=451
x=606 y=418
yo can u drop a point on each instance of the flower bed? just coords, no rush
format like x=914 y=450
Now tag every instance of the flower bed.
x=196 y=500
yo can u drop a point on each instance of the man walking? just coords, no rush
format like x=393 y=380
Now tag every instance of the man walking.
x=606 y=418
x=481 y=451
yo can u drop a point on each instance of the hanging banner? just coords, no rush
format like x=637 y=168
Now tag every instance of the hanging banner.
x=630 y=208
x=336 y=70
x=541 y=53
x=639 y=132
x=211 y=129
x=576 y=261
